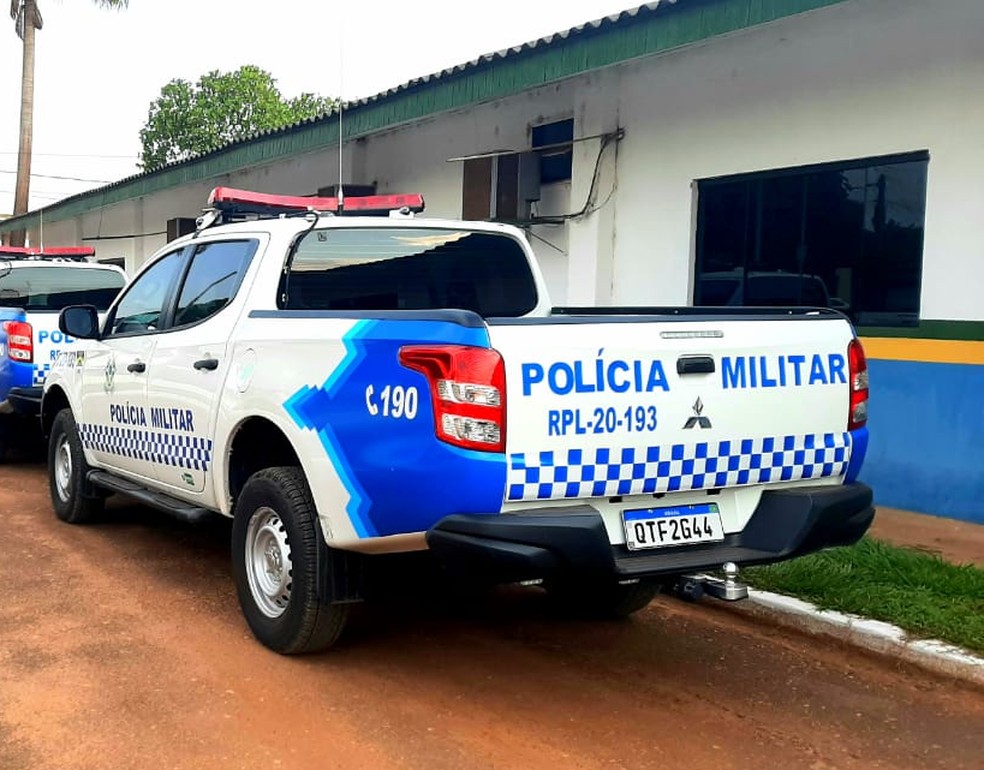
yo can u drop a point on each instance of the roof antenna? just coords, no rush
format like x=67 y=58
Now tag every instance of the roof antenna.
x=341 y=79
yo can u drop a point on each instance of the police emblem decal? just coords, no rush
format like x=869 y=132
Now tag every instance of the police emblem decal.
x=110 y=371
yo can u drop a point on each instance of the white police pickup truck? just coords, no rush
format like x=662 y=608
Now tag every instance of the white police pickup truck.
x=35 y=284
x=345 y=387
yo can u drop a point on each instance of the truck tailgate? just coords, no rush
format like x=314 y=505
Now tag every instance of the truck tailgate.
x=609 y=406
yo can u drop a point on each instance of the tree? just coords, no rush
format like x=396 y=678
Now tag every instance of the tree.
x=188 y=119
x=27 y=20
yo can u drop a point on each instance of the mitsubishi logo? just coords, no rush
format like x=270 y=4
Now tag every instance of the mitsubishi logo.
x=697 y=420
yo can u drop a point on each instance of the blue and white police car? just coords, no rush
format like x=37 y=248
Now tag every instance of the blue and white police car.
x=35 y=284
x=346 y=387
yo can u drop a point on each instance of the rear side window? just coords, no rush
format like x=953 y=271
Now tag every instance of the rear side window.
x=409 y=269
x=52 y=288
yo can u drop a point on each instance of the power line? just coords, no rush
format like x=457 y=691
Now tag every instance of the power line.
x=63 y=178
x=123 y=237
x=71 y=155
x=41 y=193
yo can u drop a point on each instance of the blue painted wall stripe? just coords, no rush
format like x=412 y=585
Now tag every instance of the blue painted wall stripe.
x=926 y=447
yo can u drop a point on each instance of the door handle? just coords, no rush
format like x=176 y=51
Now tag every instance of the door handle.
x=695 y=365
x=137 y=366
x=207 y=364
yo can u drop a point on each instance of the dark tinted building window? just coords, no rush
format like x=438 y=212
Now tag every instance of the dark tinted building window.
x=557 y=164
x=409 y=269
x=847 y=236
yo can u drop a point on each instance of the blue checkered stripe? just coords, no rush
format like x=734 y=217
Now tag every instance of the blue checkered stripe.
x=605 y=472
x=173 y=449
x=41 y=373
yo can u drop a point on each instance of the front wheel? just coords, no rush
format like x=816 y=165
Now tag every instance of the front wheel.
x=71 y=495
x=279 y=558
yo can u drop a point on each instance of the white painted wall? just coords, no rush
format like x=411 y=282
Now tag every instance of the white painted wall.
x=860 y=79
x=870 y=77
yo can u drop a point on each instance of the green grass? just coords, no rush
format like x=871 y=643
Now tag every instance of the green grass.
x=926 y=596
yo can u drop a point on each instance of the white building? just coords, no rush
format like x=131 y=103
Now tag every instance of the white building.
x=698 y=150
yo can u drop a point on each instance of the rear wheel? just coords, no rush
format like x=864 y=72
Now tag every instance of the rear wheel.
x=279 y=560
x=601 y=599
x=72 y=496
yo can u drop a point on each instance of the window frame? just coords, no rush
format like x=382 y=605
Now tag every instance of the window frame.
x=193 y=251
x=755 y=177
x=285 y=270
x=111 y=315
x=187 y=253
x=545 y=150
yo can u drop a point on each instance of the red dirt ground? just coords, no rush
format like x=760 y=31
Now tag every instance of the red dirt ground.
x=122 y=646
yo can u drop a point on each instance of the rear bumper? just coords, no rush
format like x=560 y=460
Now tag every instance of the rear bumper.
x=526 y=546
x=22 y=401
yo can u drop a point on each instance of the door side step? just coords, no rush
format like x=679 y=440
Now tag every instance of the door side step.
x=170 y=505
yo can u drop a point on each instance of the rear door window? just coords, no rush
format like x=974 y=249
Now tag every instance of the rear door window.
x=409 y=269
x=212 y=281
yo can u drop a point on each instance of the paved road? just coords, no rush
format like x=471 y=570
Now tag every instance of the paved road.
x=121 y=646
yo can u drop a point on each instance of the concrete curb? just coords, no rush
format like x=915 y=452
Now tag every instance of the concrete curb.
x=872 y=635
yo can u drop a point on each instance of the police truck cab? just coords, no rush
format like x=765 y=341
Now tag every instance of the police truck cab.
x=348 y=380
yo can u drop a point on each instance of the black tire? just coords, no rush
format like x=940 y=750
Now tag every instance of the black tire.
x=280 y=562
x=72 y=496
x=605 y=599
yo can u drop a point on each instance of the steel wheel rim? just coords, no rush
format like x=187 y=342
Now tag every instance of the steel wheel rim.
x=63 y=469
x=268 y=562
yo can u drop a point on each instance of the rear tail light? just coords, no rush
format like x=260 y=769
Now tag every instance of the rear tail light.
x=858 y=367
x=20 y=341
x=468 y=390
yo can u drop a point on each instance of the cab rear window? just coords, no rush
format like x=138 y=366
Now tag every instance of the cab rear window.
x=409 y=269
x=52 y=288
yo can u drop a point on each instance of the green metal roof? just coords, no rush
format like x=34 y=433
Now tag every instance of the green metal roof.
x=649 y=29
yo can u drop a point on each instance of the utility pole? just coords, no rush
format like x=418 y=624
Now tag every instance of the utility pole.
x=27 y=19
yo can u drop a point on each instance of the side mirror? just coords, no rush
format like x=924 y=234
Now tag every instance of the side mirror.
x=79 y=321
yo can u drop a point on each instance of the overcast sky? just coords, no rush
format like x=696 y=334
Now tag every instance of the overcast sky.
x=97 y=71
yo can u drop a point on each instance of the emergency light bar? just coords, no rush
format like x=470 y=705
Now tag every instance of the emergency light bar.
x=232 y=201
x=76 y=253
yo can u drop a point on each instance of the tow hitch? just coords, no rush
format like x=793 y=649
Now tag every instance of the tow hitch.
x=692 y=587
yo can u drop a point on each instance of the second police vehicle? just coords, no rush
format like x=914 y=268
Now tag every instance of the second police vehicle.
x=35 y=284
x=346 y=387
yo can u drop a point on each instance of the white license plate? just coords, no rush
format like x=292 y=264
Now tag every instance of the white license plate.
x=679 y=525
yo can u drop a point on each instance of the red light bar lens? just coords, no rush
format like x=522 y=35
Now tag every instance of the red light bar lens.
x=228 y=198
x=53 y=251
x=414 y=202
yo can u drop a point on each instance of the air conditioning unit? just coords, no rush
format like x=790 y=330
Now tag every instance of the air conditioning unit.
x=501 y=187
x=179 y=226
x=350 y=190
